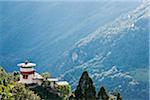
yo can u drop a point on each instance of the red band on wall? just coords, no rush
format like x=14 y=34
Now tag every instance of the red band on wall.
x=26 y=73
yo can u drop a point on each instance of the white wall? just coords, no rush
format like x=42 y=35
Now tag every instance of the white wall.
x=26 y=69
x=27 y=81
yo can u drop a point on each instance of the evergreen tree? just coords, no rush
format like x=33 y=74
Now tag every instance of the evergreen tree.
x=119 y=97
x=85 y=89
x=90 y=92
x=79 y=93
x=102 y=95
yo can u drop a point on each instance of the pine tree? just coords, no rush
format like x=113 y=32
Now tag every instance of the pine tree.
x=119 y=97
x=85 y=89
x=90 y=93
x=102 y=95
x=79 y=93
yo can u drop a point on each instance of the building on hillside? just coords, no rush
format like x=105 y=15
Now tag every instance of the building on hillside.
x=28 y=74
x=31 y=78
x=63 y=87
x=52 y=81
x=62 y=83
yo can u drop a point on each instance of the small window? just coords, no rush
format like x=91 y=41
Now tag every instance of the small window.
x=25 y=76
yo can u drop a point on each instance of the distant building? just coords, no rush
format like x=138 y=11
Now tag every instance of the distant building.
x=31 y=78
x=62 y=83
x=28 y=74
x=52 y=82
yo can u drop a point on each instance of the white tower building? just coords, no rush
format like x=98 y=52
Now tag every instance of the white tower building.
x=27 y=72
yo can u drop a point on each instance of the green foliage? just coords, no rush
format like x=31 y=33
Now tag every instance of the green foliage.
x=20 y=92
x=5 y=92
x=72 y=96
x=11 y=90
x=45 y=83
x=79 y=93
x=85 y=89
x=64 y=90
x=45 y=94
x=46 y=74
x=119 y=97
x=102 y=95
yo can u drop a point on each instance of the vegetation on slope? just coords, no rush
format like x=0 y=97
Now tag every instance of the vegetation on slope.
x=86 y=90
x=10 y=89
x=45 y=94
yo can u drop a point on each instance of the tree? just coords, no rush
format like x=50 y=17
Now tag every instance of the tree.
x=20 y=92
x=119 y=97
x=102 y=95
x=64 y=90
x=79 y=93
x=46 y=74
x=11 y=90
x=90 y=92
x=85 y=89
x=72 y=96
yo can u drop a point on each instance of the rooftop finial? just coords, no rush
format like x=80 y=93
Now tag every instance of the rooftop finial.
x=26 y=62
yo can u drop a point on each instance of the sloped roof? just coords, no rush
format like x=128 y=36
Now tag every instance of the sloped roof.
x=37 y=76
x=52 y=79
x=62 y=83
x=26 y=65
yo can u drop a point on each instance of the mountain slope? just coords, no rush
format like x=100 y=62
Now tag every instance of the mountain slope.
x=123 y=43
x=42 y=31
x=104 y=41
